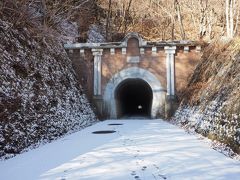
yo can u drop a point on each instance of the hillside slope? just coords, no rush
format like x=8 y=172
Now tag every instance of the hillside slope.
x=211 y=104
x=40 y=98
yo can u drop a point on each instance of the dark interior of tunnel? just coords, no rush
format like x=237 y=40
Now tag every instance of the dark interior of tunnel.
x=133 y=98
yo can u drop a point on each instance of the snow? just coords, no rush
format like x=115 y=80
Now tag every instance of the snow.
x=210 y=120
x=140 y=149
x=94 y=35
x=69 y=31
x=40 y=97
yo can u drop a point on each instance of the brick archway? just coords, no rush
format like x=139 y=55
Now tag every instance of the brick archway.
x=133 y=98
x=133 y=73
x=164 y=65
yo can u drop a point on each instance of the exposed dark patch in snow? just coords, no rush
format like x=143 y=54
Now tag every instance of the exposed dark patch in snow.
x=104 y=132
x=115 y=124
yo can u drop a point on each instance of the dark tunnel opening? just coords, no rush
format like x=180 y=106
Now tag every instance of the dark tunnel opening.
x=133 y=98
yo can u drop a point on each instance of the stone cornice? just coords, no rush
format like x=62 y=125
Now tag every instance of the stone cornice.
x=123 y=44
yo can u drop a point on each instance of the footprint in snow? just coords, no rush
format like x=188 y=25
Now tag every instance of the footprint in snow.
x=133 y=173
x=162 y=176
x=159 y=175
x=137 y=177
x=144 y=168
x=66 y=170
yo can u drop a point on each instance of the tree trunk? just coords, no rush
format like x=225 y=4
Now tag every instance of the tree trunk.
x=231 y=27
x=203 y=19
x=108 y=19
x=178 y=11
x=237 y=18
x=227 y=18
x=173 y=29
x=127 y=15
x=44 y=11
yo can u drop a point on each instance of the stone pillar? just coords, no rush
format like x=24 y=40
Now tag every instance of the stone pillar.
x=97 y=53
x=170 y=65
x=171 y=103
x=172 y=62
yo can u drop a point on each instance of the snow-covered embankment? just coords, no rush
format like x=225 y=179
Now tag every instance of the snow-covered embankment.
x=40 y=98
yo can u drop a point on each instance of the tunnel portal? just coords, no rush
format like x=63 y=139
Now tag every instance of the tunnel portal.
x=133 y=98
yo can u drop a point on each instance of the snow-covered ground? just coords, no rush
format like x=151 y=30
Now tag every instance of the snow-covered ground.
x=140 y=149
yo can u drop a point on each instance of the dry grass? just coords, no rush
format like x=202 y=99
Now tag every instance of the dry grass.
x=45 y=21
x=215 y=72
x=191 y=95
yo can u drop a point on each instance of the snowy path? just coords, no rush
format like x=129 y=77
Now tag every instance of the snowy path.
x=140 y=149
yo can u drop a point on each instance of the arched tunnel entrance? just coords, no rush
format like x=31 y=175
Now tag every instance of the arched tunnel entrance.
x=133 y=98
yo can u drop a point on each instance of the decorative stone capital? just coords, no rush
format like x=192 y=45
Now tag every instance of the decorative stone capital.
x=154 y=50
x=97 y=52
x=170 y=49
x=112 y=51
x=124 y=51
x=198 y=48
x=70 y=51
x=81 y=51
x=186 y=49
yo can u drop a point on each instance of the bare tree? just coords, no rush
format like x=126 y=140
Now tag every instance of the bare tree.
x=108 y=23
x=178 y=11
x=127 y=16
x=44 y=12
x=232 y=17
x=203 y=5
x=159 y=19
